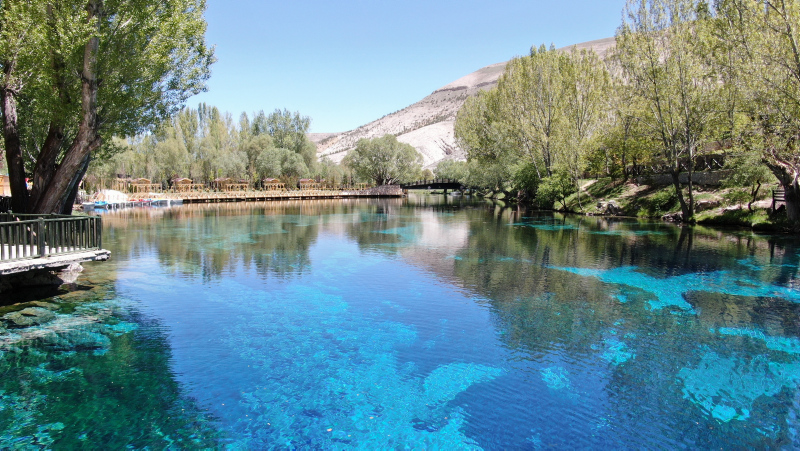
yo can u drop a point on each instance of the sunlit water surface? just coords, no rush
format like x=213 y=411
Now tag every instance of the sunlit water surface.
x=418 y=323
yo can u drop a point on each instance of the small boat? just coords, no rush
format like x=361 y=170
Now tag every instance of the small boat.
x=101 y=204
x=88 y=206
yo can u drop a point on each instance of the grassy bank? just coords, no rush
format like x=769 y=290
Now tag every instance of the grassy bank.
x=714 y=206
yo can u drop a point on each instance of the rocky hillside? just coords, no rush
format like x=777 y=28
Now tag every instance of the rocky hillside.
x=428 y=124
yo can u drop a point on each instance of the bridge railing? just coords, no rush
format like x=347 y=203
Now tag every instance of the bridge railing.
x=432 y=182
x=37 y=236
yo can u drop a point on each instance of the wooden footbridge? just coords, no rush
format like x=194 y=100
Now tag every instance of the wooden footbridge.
x=437 y=184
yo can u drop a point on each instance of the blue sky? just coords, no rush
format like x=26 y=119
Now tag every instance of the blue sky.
x=345 y=63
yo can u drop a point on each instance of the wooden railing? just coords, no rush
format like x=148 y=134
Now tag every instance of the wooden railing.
x=37 y=236
x=432 y=182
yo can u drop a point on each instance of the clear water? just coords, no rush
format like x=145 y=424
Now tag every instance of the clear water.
x=408 y=324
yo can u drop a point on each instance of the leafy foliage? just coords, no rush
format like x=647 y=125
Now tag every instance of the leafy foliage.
x=384 y=160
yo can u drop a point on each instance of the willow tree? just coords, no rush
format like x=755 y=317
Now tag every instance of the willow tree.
x=763 y=37
x=74 y=73
x=661 y=52
x=384 y=160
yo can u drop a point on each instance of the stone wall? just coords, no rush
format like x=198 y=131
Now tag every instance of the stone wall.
x=705 y=178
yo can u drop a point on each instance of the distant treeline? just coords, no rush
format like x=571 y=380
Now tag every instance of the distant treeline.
x=205 y=144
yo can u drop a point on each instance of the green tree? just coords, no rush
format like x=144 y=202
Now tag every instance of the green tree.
x=661 y=48
x=746 y=178
x=531 y=92
x=481 y=131
x=269 y=163
x=762 y=53
x=384 y=160
x=254 y=147
x=452 y=169
x=622 y=142
x=556 y=188
x=586 y=86
x=89 y=70
x=288 y=131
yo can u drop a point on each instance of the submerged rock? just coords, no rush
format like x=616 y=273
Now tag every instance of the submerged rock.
x=30 y=316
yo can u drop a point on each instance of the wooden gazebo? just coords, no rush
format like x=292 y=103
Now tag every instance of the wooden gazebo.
x=220 y=182
x=309 y=184
x=143 y=185
x=182 y=184
x=272 y=184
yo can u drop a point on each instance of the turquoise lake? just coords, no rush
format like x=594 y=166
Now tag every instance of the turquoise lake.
x=419 y=323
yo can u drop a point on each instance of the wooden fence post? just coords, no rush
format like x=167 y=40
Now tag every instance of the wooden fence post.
x=40 y=236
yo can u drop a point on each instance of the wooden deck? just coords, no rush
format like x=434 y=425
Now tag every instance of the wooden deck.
x=51 y=262
x=37 y=249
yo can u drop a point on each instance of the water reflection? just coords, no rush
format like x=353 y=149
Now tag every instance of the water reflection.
x=457 y=324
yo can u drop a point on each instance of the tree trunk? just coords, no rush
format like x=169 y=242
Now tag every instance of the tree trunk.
x=676 y=182
x=13 y=147
x=76 y=184
x=87 y=140
x=792 y=192
x=46 y=162
x=690 y=186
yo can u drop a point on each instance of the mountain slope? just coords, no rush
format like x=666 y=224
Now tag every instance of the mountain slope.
x=428 y=124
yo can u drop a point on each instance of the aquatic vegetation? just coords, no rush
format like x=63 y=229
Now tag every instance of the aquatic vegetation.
x=670 y=291
x=348 y=389
x=789 y=345
x=19 y=413
x=406 y=233
x=78 y=380
x=616 y=352
x=556 y=378
x=727 y=387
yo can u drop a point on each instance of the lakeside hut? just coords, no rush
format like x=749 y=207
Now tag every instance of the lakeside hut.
x=221 y=183
x=182 y=184
x=238 y=185
x=308 y=184
x=143 y=185
x=272 y=184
